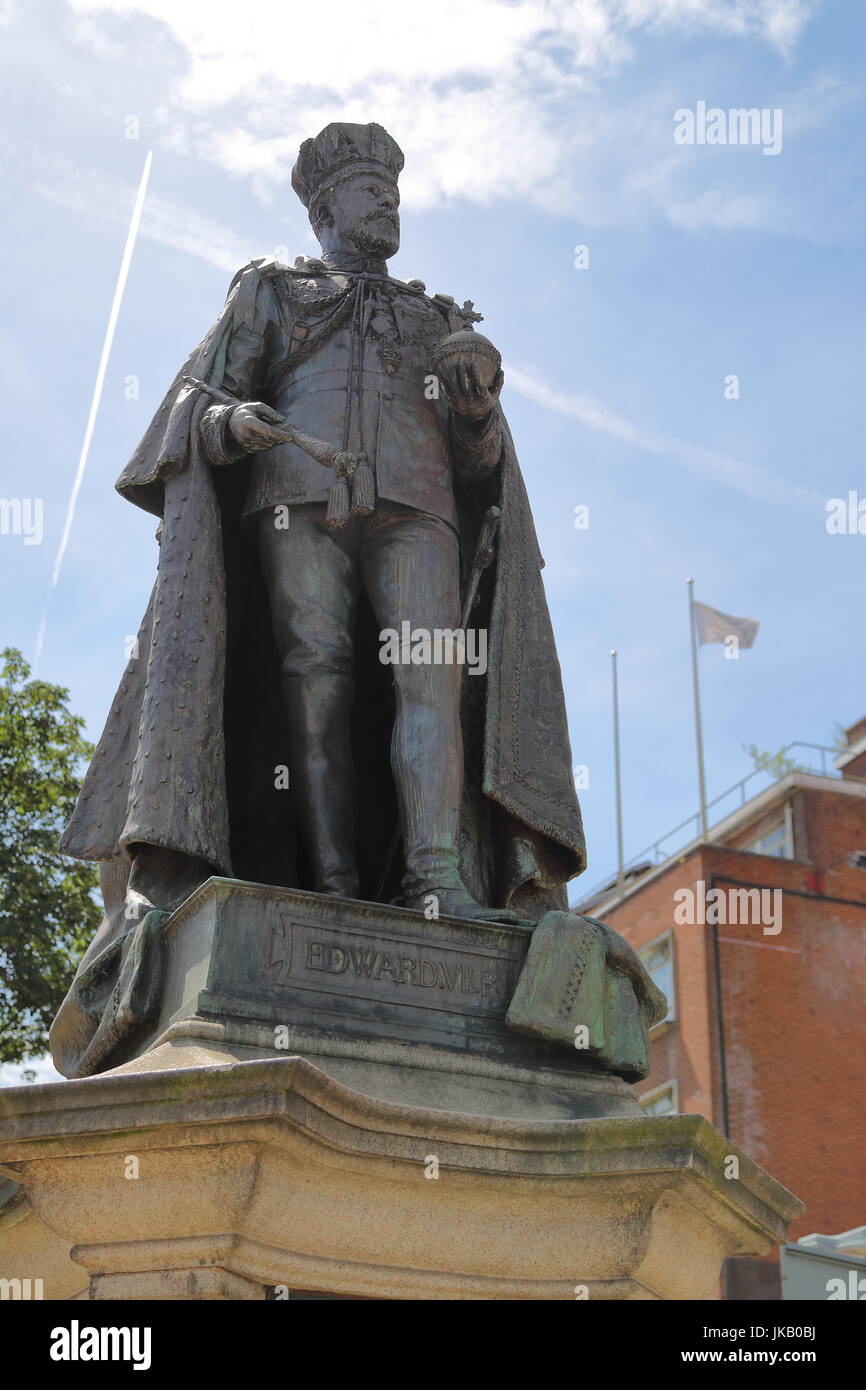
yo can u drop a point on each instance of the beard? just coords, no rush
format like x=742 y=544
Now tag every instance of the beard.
x=378 y=234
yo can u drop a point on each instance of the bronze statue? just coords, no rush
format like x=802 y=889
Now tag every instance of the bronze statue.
x=323 y=465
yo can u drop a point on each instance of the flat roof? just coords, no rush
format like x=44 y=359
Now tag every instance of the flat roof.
x=737 y=820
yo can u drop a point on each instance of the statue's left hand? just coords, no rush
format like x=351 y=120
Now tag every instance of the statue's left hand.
x=471 y=389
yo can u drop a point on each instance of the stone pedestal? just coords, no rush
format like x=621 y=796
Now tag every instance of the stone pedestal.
x=264 y=1134
x=399 y=1007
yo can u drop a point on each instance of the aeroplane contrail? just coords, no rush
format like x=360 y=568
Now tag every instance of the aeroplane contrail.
x=95 y=399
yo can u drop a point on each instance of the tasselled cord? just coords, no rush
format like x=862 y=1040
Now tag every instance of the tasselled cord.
x=353 y=381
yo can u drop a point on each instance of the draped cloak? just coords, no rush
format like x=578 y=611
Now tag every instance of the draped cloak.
x=197 y=729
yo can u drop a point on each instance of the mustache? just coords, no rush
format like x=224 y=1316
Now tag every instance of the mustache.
x=391 y=217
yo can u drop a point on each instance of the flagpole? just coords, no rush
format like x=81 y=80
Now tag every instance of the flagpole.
x=620 y=872
x=699 y=735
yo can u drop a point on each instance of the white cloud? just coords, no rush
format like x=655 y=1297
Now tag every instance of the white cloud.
x=197 y=236
x=92 y=192
x=524 y=79
x=776 y=22
x=749 y=478
x=718 y=208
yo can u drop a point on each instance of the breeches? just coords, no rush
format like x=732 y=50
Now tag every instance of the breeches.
x=408 y=565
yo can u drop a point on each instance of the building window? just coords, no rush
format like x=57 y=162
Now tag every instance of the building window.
x=663 y=1100
x=777 y=841
x=658 y=960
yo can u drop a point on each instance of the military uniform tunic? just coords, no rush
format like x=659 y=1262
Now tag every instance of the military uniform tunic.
x=346 y=357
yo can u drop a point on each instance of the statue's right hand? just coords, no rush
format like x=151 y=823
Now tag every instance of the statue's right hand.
x=256 y=426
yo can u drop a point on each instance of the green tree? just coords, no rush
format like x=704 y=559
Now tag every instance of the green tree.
x=48 y=911
x=778 y=765
x=840 y=737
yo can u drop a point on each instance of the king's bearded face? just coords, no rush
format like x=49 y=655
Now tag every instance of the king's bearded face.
x=364 y=212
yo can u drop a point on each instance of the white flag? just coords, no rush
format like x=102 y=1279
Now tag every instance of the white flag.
x=714 y=626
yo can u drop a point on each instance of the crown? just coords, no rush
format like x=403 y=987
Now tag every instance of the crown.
x=341 y=150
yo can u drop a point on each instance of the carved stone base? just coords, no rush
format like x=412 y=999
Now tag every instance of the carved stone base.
x=169 y=1285
x=331 y=1103
x=269 y=1173
x=397 y=1006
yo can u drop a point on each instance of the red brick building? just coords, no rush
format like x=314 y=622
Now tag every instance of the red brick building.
x=758 y=937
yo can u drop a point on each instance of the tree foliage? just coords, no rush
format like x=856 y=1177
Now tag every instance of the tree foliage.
x=48 y=909
x=777 y=765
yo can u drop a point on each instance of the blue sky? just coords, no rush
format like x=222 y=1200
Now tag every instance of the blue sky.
x=528 y=128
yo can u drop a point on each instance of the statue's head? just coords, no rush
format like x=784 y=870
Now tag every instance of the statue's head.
x=347 y=179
